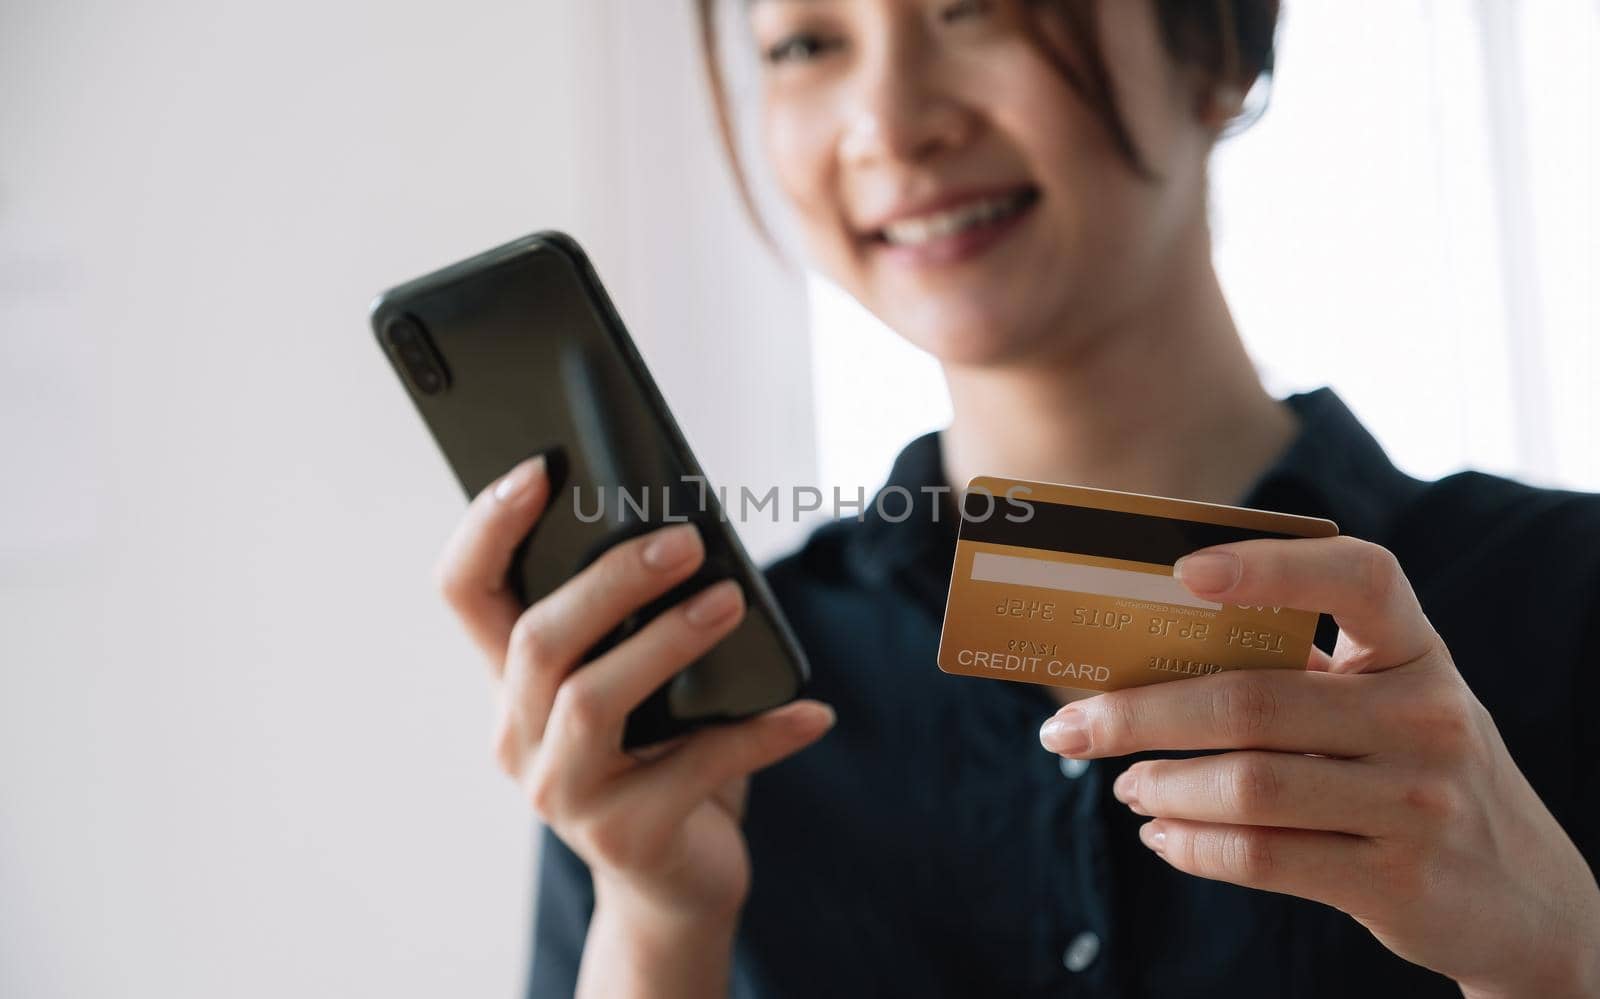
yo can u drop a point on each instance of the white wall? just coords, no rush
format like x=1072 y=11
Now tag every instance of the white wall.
x=242 y=749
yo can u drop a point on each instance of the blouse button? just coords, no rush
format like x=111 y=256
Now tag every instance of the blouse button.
x=1081 y=952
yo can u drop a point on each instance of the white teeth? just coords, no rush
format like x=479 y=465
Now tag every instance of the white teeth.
x=926 y=228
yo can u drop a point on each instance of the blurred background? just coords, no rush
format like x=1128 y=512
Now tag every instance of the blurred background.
x=243 y=750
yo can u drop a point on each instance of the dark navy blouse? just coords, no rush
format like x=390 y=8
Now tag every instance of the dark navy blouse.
x=928 y=846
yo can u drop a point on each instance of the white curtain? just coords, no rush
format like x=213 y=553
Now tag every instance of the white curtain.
x=1413 y=222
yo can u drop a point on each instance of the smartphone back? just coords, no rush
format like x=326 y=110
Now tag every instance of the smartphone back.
x=518 y=351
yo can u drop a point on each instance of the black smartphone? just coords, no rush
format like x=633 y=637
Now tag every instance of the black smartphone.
x=517 y=352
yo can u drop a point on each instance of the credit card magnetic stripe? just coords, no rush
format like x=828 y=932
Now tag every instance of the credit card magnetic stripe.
x=1084 y=530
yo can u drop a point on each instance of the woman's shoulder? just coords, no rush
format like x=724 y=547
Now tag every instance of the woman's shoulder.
x=1509 y=574
x=1486 y=494
x=1464 y=526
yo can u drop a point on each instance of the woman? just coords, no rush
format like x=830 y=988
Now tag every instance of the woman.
x=1020 y=189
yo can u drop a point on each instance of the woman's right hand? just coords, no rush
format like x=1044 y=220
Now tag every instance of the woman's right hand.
x=659 y=831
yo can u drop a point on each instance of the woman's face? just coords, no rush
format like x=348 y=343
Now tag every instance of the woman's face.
x=945 y=174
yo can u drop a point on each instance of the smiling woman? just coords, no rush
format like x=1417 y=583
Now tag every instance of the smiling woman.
x=1034 y=78
x=1020 y=189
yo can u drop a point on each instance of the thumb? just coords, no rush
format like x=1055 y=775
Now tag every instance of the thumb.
x=713 y=756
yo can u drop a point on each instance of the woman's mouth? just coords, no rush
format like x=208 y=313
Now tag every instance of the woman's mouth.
x=956 y=232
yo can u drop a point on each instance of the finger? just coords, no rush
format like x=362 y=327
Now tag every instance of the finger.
x=1278 y=709
x=634 y=669
x=719 y=754
x=1359 y=583
x=472 y=569
x=550 y=637
x=1323 y=866
x=593 y=704
x=1257 y=789
x=1318 y=661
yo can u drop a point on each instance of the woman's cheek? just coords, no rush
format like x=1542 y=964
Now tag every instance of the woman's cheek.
x=796 y=144
x=800 y=149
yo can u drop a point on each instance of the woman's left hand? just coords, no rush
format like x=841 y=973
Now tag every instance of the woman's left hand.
x=1373 y=781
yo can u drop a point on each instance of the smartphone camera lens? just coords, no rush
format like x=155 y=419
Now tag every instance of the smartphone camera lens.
x=423 y=366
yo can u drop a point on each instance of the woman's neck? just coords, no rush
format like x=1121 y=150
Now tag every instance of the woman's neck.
x=1164 y=402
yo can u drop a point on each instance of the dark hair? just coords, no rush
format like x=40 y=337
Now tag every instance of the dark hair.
x=1229 y=42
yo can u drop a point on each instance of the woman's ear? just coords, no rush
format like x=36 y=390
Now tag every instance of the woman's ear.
x=1223 y=103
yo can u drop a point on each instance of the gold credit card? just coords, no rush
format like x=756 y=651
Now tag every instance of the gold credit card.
x=1073 y=587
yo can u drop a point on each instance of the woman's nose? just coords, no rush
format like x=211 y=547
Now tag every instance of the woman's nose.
x=900 y=112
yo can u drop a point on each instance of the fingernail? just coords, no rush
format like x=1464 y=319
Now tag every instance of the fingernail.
x=1152 y=835
x=1126 y=788
x=829 y=716
x=672 y=546
x=1067 y=732
x=514 y=485
x=1208 y=572
x=713 y=604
